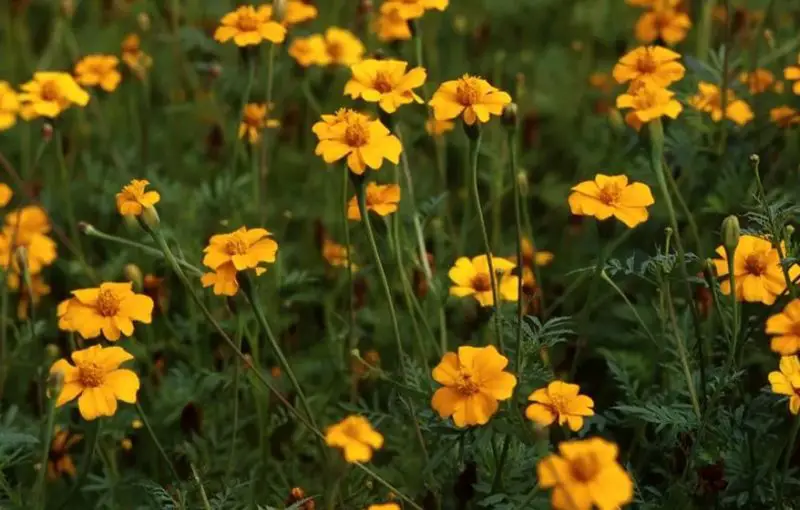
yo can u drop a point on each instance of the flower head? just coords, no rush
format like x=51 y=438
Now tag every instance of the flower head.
x=667 y=24
x=472 y=97
x=9 y=106
x=249 y=26
x=99 y=70
x=385 y=82
x=784 y=116
x=611 y=195
x=787 y=381
x=133 y=199
x=648 y=102
x=758 y=81
x=473 y=278
x=27 y=228
x=655 y=64
x=473 y=382
x=108 y=310
x=5 y=194
x=342 y=48
x=786 y=328
x=437 y=128
x=709 y=99
x=59 y=461
x=50 y=93
x=559 y=401
x=365 y=142
x=792 y=73
x=337 y=254
x=391 y=26
x=380 y=199
x=586 y=473
x=255 y=119
x=298 y=11
x=356 y=437
x=137 y=60
x=411 y=9
x=531 y=257
x=241 y=250
x=384 y=506
x=307 y=51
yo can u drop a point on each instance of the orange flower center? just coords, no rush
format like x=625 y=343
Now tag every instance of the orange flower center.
x=90 y=375
x=610 y=194
x=468 y=92
x=252 y=120
x=383 y=83
x=585 y=468
x=481 y=282
x=246 y=22
x=236 y=246
x=646 y=64
x=107 y=303
x=50 y=91
x=357 y=134
x=335 y=50
x=756 y=263
x=466 y=385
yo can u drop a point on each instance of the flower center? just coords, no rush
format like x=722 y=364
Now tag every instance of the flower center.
x=467 y=92
x=646 y=64
x=356 y=135
x=383 y=83
x=481 y=282
x=252 y=120
x=107 y=303
x=610 y=194
x=91 y=375
x=50 y=91
x=335 y=51
x=466 y=385
x=755 y=264
x=236 y=246
x=247 y=22
x=584 y=469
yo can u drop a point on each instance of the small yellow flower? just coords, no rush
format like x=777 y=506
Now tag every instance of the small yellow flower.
x=364 y=142
x=298 y=11
x=472 y=97
x=655 y=64
x=786 y=326
x=27 y=227
x=137 y=60
x=759 y=81
x=308 y=51
x=473 y=278
x=792 y=73
x=97 y=381
x=5 y=194
x=473 y=382
x=611 y=195
x=59 y=461
x=784 y=116
x=709 y=99
x=248 y=26
x=9 y=106
x=412 y=9
x=559 y=401
x=356 y=437
x=787 y=381
x=49 y=94
x=437 y=128
x=108 y=310
x=381 y=199
x=384 y=506
x=99 y=70
x=336 y=254
x=255 y=119
x=531 y=257
x=668 y=24
x=241 y=250
x=133 y=199
x=385 y=82
x=342 y=48
x=391 y=26
x=648 y=102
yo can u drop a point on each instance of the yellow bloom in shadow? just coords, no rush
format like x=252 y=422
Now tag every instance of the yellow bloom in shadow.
x=109 y=309
x=27 y=228
x=6 y=194
x=385 y=82
x=561 y=402
x=384 y=506
x=668 y=24
x=241 y=250
x=655 y=64
x=648 y=102
x=786 y=381
x=99 y=70
x=342 y=48
x=758 y=81
x=611 y=195
x=337 y=254
x=28 y=297
x=412 y=9
x=709 y=99
x=391 y=26
x=9 y=106
x=255 y=119
x=59 y=461
x=786 y=328
x=364 y=142
x=437 y=128
x=792 y=73
x=133 y=199
x=50 y=93
x=531 y=257
x=784 y=116
x=248 y=26
x=381 y=199
x=298 y=11
x=472 y=97
x=472 y=278
x=356 y=437
x=137 y=60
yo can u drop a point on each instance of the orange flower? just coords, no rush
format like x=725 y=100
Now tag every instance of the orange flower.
x=298 y=11
x=356 y=437
x=381 y=199
x=342 y=48
x=133 y=56
x=666 y=23
x=385 y=82
x=59 y=461
x=437 y=128
x=648 y=102
x=249 y=26
x=364 y=142
x=786 y=326
x=9 y=106
x=255 y=119
x=472 y=97
x=133 y=199
x=786 y=381
x=108 y=310
x=559 y=401
x=792 y=73
x=759 y=81
x=411 y=9
x=607 y=196
x=50 y=93
x=391 y=26
x=308 y=51
x=709 y=99
x=99 y=70
x=784 y=116
x=241 y=250
x=654 y=64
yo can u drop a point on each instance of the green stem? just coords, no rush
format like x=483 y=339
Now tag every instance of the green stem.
x=92 y=438
x=723 y=124
x=4 y=363
x=236 y=372
x=160 y=448
x=736 y=307
x=203 y=495
x=264 y=143
x=70 y=210
x=639 y=319
x=682 y=354
x=351 y=314
x=47 y=437
x=512 y=148
x=705 y=28
x=787 y=458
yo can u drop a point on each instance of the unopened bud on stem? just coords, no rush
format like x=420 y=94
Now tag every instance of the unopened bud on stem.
x=731 y=231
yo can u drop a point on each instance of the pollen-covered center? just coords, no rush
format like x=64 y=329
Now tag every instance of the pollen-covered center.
x=466 y=384
x=50 y=91
x=90 y=375
x=559 y=403
x=756 y=263
x=468 y=91
x=107 y=303
x=352 y=431
x=383 y=83
x=335 y=50
x=253 y=119
x=357 y=134
x=584 y=468
x=235 y=245
x=247 y=22
x=610 y=194
x=646 y=64
x=481 y=282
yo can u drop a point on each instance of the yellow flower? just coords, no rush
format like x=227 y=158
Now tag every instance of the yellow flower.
x=255 y=119
x=99 y=70
x=5 y=194
x=97 y=381
x=341 y=48
x=249 y=26
x=792 y=73
x=59 y=461
x=787 y=381
x=655 y=64
x=532 y=258
x=49 y=94
x=308 y=51
x=356 y=437
x=133 y=56
x=709 y=99
x=27 y=297
x=298 y=11
x=365 y=142
x=411 y=9
x=786 y=326
x=611 y=195
x=380 y=199
x=585 y=473
x=472 y=278
x=241 y=250
x=648 y=102
x=473 y=97
x=758 y=81
x=784 y=116
x=385 y=82
x=108 y=310
x=27 y=228
x=668 y=24
x=133 y=199
x=757 y=271
x=439 y=127
x=9 y=106
x=391 y=26
x=559 y=401
x=384 y=506
x=473 y=382
x=336 y=254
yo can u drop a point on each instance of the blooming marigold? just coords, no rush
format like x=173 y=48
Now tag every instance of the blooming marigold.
x=9 y=106
x=759 y=81
x=655 y=64
x=648 y=102
x=99 y=70
x=757 y=270
x=342 y=48
x=133 y=199
x=249 y=26
x=472 y=97
x=531 y=257
x=412 y=9
x=255 y=119
x=437 y=128
x=27 y=227
x=792 y=73
x=385 y=82
x=381 y=199
x=59 y=461
x=365 y=142
x=611 y=195
x=109 y=309
x=96 y=380
x=50 y=93
x=585 y=473
x=786 y=326
x=227 y=254
x=784 y=116
x=308 y=51
x=391 y=26
x=786 y=381
x=472 y=278
x=384 y=506
x=559 y=401
x=298 y=11
x=667 y=23
x=356 y=437
x=134 y=57
x=5 y=194
x=473 y=382
x=709 y=99
x=337 y=255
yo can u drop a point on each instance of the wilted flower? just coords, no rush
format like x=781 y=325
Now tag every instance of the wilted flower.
x=758 y=81
x=473 y=278
x=99 y=70
x=337 y=255
x=792 y=73
x=28 y=297
x=365 y=142
x=241 y=250
x=786 y=381
x=133 y=56
x=784 y=116
x=49 y=94
x=9 y=106
x=531 y=257
x=611 y=195
x=709 y=99
x=439 y=127
x=472 y=97
x=108 y=310
x=561 y=402
x=356 y=437
x=380 y=199
x=385 y=82
x=249 y=26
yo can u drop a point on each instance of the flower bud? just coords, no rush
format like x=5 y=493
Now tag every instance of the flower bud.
x=54 y=384
x=86 y=228
x=67 y=8
x=134 y=275
x=278 y=10
x=47 y=132
x=137 y=424
x=788 y=231
x=150 y=217
x=126 y=444
x=52 y=350
x=522 y=182
x=730 y=233
x=510 y=115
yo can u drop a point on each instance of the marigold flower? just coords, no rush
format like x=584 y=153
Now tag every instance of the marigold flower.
x=356 y=437
x=472 y=97
x=585 y=473
x=611 y=195
x=9 y=106
x=108 y=310
x=133 y=56
x=365 y=142
x=227 y=254
x=759 y=81
x=384 y=506
x=531 y=257
x=133 y=199
x=786 y=381
x=786 y=326
x=5 y=194
x=27 y=228
x=559 y=401
x=381 y=199
x=655 y=64
x=97 y=381
x=99 y=70
x=784 y=116
x=342 y=48
x=385 y=82
x=391 y=26
x=439 y=127
x=412 y=9
x=473 y=382
x=757 y=271
x=792 y=73
x=249 y=26
x=472 y=278
x=308 y=51
x=648 y=102
x=337 y=255
x=50 y=93
x=666 y=23
x=59 y=461
x=709 y=99
x=255 y=119
x=298 y=11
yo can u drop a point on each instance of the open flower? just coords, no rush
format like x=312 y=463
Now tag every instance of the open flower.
x=559 y=401
x=255 y=119
x=27 y=228
x=365 y=142
x=6 y=194
x=473 y=278
x=665 y=23
x=531 y=257
x=109 y=309
x=391 y=26
x=384 y=506
x=473 y=381
x=342 y=48
x=412 y=9
x=99 y=70
x=133 y=199
x=655 y=64
x=758 y=81
x=472 y=97
x=381 y=199
x=59 y=461
x=50 y=93
x=241 y=250
x=648 y=102
x=298 y=11
x=787 y=381
x=792 y=73
x=356 y=437
x=134 y=57
x=337 y=254
x=611 y=195
x=97 y=381
x=585 y=473
x=308 y=51
x=784 y=116
x=709 y=99
x=9 y=106
x=385 y=82
x=786 y=328
x=249 y=26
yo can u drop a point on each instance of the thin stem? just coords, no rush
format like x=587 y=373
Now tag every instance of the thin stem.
x=512 y=147
x=682 y=354
x=236 y=372
x=153 y=436
x=788 y=457
x=351 y=315
x=264 y=145
x=736 y=312
x=423 y=253
x=4 y=363
x=70 y=210
x=47 y=437
x=639 y=319
x=203 y=495
x=723 y=124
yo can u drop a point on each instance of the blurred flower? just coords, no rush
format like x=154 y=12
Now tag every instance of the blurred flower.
x=255 y=118
x=601 y=81
x=298 y=11
x=666 y=23
x=611 y=195
x=154 y=287
x=9 y=106
x=655 y=64
x=391 y=26
x=133 y=199
x=49 y=94
x=249 y=26
x=99 y=70
x=133 y=56
x=532 y=258
x=384 y=506
x=381 y=199
x=473 y=381
x=126 y=444
x=792 y=73
x=356 y=437
x=758 y=81
x=96 y=380
x=585 y=473
x=296 y=495
x=473 y=97
x=786 y=326
x=559 y=401
x=385 y=82
x=109 y=309
x=411 y=9
x=336 y=254
x=342 y=48
x=6 y=194
x=709 y=99
x=27 y=228
x=784 y=116
x=227 y=254
x=787 y=381
x=27 y=297
x=308 y=51
x=365 y=142
x=59 y=461
x=438 y=127
x=648 y=102
x=472 y=278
